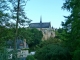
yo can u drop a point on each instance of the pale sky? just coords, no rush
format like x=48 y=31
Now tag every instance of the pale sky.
x=50 y=10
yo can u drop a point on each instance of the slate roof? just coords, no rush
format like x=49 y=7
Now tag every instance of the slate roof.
x=19 y=42
x=40 y=25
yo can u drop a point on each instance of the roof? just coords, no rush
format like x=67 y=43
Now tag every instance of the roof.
x=40 y=25
x=19 y=43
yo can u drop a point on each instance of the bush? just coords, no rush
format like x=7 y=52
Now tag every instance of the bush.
x=76 y=55
x=30 y=57
x=52 y=52
x=49 y=41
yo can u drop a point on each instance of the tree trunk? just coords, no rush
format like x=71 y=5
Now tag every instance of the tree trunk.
x=16 y=34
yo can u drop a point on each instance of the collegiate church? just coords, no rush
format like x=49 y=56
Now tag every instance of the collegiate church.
x=45 y=27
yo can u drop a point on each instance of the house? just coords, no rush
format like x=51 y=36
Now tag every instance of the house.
x=22 y=49
x=45 y=27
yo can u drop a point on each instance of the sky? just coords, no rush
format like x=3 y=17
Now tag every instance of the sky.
x=50 y=10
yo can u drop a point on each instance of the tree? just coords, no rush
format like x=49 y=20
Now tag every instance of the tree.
x=18 y=6
x=18 y=15
x=76 y=55
x=54 y=41
x=4 y=15
x=15 y=9
x=4 y=21
x=59 y=33
x=52 y=52
x=71 y=26
x=32 y=36
x=30 y=57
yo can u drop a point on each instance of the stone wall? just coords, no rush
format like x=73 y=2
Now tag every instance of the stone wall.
x=47 y=33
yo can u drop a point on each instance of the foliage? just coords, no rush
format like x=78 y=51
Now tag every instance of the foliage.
x=30 y=57
x=11 y=10
x=76 y=55
x=35 y=37
x=17 y=8
x=32 y=36
x=52 y=52
x=6 y=34
x=49 y=41
x=4 y=16
x=59 y=33
x=71 y=27
x=3 y=53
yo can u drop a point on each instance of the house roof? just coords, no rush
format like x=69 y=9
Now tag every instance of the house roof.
x=19 y=43
x=40 y=25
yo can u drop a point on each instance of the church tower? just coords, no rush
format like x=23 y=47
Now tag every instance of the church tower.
x=40 y=19
x=40 y=22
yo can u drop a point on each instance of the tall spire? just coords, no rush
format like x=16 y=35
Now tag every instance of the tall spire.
x=40 y=19
x=40 y=22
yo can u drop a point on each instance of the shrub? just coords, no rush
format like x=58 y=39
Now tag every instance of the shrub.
x=52 y=52
x=30 y=57
x=76 y=55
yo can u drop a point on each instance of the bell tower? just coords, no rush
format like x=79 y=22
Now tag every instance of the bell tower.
x=40 y=22
x=40 y=19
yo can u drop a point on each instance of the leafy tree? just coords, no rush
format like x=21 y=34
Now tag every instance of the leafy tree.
x=17 y=12
x=76 y=55
x=59 y=33
x=4 y=21
x=4 y=15
x=32 y=36
x=15 y=9
x=49 y=41
x=71 y=27
x=52 y=52
x=6 y=34
x=35 y=37
x=30 y=57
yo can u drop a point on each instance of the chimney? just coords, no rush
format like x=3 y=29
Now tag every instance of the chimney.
x=24 y=43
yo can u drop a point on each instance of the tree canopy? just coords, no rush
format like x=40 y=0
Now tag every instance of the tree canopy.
x=52 y=52
x=33 y=37
x=72 y=27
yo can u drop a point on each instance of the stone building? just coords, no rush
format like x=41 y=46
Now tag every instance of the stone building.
x=22 y=49
x=45 y=27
